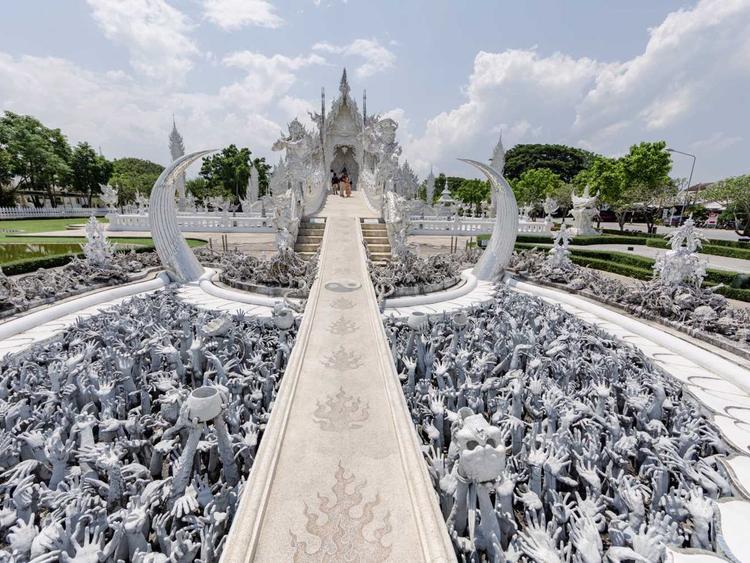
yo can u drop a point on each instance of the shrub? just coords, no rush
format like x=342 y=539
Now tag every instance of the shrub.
x=28 y=265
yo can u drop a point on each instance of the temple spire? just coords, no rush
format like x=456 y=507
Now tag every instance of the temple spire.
x=176 y=146
x=344 y=85
x=364 y=106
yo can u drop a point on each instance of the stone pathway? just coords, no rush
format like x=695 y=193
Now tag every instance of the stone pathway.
x=339 y=471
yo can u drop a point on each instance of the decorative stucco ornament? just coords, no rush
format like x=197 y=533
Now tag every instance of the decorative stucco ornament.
x=97 y=250
x=497 y=255
x=108 y=196
x=559 y=253
x=173 y=250
x=550 y=206
x=583 y=213
x=681 y=265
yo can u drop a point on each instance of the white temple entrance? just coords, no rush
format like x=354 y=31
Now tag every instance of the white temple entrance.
x=345 y=158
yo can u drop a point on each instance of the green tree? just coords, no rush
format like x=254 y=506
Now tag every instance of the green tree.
x=263 y=170
x=535 y=185
x=735 y=193
x=200 y=189
x=606 y=177
x=88 y=171
x=39 y=156
x=440 y=182
x=473 y=192
x=228 y=171
x=564 y=161
x=7 y=192
x=131 y=175
x=647 y=166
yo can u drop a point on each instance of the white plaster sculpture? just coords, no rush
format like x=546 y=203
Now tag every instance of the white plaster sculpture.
x=559 y=255
x=681 y=265
x=396 y=216
x=550 y=206
x=497 y=255
x=98 y=251
x=142 y=427
x=109 y=196
x=583 y=213
x=548 y=440
x=687 y=306
x=173 y=250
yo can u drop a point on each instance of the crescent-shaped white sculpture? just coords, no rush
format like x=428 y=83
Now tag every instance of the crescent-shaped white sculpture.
x=173 y=250
x=500 y=246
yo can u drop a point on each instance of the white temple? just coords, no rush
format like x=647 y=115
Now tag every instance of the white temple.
x=345 y=138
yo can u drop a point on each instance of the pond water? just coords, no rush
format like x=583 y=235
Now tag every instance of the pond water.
x=10 y=252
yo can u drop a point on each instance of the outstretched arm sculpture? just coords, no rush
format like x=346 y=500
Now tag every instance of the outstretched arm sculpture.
x=175 y=254
x=499 y=249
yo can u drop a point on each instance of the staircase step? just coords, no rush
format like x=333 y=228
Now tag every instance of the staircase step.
x=376 y=240
x=306 y=248
x=306 y=239
x=380 y=256
x=379 y=248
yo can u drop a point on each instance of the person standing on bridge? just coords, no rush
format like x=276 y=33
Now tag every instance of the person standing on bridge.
x=334 y=183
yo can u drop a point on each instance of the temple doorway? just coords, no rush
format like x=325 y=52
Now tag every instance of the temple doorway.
x=344 y=157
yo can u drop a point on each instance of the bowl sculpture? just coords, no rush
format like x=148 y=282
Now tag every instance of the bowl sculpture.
x=205 y=403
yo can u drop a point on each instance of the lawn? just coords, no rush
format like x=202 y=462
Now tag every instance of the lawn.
x=24 y=230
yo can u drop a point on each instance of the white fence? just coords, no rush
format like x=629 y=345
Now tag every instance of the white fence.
x=197 y=222
x=49 y=212
x=471 y=226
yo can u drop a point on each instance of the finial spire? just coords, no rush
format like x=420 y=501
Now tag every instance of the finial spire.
x=344 y=85
x=364 y=106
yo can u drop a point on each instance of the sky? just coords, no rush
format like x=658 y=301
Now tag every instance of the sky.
x=455 y=75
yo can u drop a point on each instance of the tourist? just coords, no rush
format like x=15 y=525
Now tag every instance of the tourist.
x=334 y=183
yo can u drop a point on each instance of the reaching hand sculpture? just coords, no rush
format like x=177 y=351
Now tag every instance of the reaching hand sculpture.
x=129 y=436
x=547 y=439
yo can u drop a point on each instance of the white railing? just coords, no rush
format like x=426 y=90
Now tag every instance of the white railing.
x=470 y=226
x=44 y=212
x=196 y=222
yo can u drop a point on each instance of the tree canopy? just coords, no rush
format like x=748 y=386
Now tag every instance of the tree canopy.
x=131 y=175
x=88 y=171
x=735 y=192
x=227 y=173
x=563 y=160
x=535 y=185
x=37 y=155
x=473 y=192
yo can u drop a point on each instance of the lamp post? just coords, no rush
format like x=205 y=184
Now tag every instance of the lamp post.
x=690 y=182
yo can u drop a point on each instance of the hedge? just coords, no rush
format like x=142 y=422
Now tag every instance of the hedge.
x=735 y=285
x=713 y=249
x=28 y=265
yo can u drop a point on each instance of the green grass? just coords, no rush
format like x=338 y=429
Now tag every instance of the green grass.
x=30 y=226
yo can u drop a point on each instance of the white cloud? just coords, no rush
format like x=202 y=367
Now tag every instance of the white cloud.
x=715 y=143
x=266 y=78
x=125 y=116
x=377 y=58
x=235 y=14
x=692 y=62
x=155 y=34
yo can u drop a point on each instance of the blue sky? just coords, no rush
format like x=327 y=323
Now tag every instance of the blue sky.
x=600 y=75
